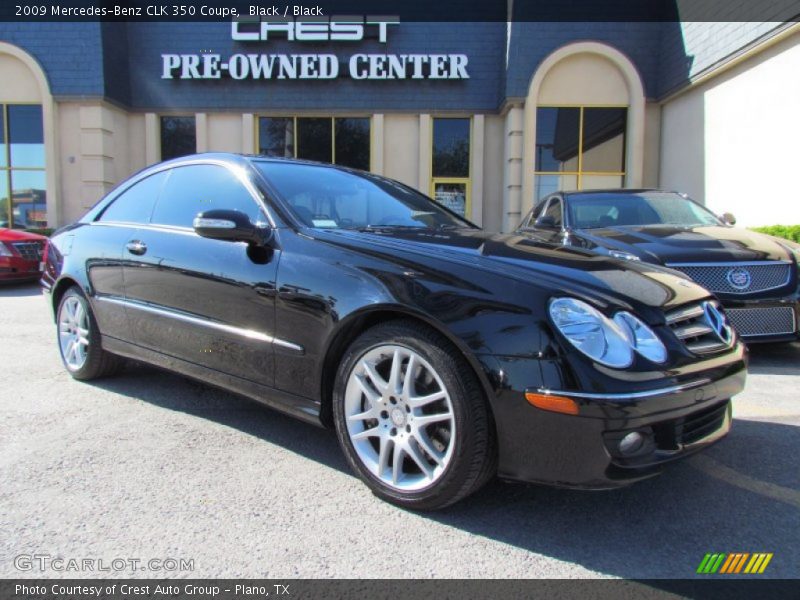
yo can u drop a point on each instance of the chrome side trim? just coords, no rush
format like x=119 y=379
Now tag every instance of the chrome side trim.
x=146 y=226
x=675 y=389
x=246 y=333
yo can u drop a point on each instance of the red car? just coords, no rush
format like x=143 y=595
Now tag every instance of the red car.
x=21 y=254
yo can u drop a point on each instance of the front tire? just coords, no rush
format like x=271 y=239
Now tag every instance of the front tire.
x=79 y=339
x=412 y=418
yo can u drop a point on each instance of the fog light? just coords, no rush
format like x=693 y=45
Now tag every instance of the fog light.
x=631 y=443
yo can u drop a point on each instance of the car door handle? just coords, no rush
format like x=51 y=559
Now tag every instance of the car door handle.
x=136 y=247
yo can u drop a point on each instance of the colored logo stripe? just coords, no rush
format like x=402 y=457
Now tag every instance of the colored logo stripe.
x=734 y=563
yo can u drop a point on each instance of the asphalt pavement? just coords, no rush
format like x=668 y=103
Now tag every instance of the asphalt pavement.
x=152 y=466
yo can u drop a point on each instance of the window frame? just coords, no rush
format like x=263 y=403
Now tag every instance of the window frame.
x=248 y=180
x=453 y=180
x=550 y=201
x=161 y=117
x=7 y=171
x=295 y=145
x=579 y=173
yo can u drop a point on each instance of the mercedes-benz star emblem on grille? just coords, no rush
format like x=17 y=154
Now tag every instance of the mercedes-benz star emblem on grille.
x=739 y=278
x=718 y=323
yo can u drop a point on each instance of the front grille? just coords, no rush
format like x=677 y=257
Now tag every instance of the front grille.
x=737 y=278
x=691 y=428
x=772 y=320
x=693 y=326
x=29 y=250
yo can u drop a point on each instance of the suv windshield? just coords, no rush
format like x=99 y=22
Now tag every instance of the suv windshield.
x=609 y=209
x=331 y=198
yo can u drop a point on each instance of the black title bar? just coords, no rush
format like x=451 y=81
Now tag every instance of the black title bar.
x=406 y=10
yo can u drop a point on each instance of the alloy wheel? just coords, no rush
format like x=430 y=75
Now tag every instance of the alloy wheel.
x=400 y=418
x=73 y=333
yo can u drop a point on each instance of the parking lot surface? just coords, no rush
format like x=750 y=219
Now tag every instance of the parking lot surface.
x=149 y=465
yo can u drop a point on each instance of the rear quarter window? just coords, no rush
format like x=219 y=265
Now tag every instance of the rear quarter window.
x=135 y=205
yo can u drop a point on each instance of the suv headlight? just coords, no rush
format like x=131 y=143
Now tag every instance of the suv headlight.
x=610 y=342
x=4 y=251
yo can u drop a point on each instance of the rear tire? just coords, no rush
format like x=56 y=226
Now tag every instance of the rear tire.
x=411 y=417
x=79 y=339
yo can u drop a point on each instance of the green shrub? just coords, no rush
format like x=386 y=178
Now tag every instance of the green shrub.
x=787 y=232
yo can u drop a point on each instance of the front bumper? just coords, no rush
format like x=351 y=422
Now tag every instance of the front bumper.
x=582 y=451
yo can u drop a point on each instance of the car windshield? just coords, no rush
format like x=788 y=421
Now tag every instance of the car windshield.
x=331 y=198
x=588 y=211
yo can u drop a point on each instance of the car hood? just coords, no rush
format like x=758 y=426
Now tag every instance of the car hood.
x=15 y=235
x=663 y=244
x=558 y=268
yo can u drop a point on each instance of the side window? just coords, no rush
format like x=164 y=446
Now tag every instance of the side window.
x=197 y=188
x=135 y=204
x=530 y=221
x=554 y=210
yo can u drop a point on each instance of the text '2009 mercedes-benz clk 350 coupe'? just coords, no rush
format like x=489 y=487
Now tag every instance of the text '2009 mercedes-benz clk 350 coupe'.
x=441 y=354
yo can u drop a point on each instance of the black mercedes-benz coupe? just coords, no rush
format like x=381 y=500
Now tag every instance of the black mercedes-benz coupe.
x=442 y=355
x=754 y=276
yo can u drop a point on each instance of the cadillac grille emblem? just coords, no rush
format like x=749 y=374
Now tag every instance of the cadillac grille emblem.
x=739 y=278
x=718 y=323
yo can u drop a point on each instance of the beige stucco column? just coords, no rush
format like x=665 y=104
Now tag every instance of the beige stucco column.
x=201 y=132
x=152 y=141
x=512 y=169
x=376 y=155
x=96 y=153
x=425 y=153
x=249 y=133
x=476 y=169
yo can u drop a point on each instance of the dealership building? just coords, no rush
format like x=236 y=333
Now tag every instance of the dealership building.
x=487 y=117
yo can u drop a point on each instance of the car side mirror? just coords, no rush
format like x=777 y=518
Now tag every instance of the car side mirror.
x=231 y=226
x=546 y=222
x=728 y=218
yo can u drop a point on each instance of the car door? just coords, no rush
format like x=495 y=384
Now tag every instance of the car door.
x=107 y=237
x=208 y=302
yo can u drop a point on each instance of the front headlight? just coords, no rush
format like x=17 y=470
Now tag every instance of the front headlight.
x=4 y=251
x=611 y=342
x=591 y=332
x=641 y=337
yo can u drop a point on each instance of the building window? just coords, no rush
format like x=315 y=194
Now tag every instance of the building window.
x=579 y=148
x=337 y=140
x=23 y=189
x=450 y=184
x=178 y=137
